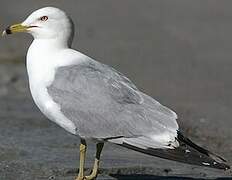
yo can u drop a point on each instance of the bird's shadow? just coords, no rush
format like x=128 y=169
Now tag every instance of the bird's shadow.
x=155 y=177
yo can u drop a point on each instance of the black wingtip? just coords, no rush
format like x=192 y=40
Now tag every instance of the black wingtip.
x=187 y=152
x=218 y=161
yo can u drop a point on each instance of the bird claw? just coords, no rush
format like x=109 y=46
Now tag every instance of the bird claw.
x=80 y=178
x=85 y=178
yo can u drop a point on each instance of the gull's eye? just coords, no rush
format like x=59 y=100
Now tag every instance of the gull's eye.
x=44 y=18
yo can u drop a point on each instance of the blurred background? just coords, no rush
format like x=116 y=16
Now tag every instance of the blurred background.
x=178 y=51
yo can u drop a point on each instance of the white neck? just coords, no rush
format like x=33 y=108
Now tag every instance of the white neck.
x=42 y=53
x=45 y=55
x=46 y=45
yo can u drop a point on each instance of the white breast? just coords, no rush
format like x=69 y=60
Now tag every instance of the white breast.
x=41 y=71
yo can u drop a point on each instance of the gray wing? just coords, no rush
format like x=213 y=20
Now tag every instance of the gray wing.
x=103 y=103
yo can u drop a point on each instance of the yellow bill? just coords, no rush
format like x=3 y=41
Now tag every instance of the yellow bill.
x=15 y=28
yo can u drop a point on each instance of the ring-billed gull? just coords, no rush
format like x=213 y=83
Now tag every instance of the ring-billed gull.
x=97 y=102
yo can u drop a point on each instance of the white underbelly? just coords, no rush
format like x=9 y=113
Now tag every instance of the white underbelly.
x=49 y=108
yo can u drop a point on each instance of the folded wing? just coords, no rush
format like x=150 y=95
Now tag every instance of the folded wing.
x=103 y=103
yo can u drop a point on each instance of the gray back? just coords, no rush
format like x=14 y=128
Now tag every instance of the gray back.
x=103 y=103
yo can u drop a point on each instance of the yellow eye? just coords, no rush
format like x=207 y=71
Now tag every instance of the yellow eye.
x=44 y=18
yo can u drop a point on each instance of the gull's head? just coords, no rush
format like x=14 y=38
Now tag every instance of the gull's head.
x=46 y=23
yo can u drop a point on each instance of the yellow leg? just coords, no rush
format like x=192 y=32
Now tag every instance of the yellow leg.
x=94 y=173
x=83 y=147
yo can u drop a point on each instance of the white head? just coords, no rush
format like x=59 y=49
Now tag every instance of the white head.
x=46 y=23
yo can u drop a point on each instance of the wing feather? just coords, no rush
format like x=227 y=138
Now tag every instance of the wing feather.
x=103 y=103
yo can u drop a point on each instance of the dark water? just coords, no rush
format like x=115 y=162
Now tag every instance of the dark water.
x=179 y=52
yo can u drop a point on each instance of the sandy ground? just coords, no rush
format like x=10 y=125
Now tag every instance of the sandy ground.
x=179 y=52
x=32 y=147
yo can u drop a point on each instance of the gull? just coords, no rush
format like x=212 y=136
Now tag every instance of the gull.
x=94 y=101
